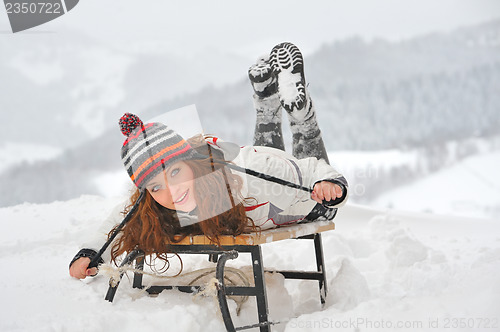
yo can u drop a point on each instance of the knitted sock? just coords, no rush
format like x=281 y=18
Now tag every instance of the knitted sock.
x=307 y=140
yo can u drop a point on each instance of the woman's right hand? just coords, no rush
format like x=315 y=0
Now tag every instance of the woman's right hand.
x=79 y=268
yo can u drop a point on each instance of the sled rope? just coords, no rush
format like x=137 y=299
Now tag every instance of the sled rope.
x=209 y=289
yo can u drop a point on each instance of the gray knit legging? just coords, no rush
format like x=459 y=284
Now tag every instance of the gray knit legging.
x=307 y=140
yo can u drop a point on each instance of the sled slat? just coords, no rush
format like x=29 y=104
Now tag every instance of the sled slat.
x=266 y=236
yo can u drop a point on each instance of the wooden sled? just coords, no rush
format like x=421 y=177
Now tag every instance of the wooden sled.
x=230 y=247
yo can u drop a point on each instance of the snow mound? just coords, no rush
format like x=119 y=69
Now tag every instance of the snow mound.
x=348 y=287
x=403 y=248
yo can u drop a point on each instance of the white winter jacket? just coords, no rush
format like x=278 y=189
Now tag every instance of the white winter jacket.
x=278 y=204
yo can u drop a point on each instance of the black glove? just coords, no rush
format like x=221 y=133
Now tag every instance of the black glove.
x=90 y=253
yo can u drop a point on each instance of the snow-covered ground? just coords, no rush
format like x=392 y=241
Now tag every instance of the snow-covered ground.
x=397 y=269
x=383 y=268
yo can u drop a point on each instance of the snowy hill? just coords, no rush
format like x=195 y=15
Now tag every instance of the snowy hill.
x=469 y=188
x=412 y=270
x=452 y=184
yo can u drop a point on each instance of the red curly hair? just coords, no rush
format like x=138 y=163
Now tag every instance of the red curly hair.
x=153 y=227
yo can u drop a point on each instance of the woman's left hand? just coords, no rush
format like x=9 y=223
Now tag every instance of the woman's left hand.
x=327 y=191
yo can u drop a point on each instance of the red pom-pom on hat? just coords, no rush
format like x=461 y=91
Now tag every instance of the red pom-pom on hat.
x=128 y=122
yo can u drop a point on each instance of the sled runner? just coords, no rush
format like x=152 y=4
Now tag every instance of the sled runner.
x=230 y=248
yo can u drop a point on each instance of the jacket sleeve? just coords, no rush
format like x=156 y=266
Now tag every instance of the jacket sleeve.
x=305 y=172
x=314 y=171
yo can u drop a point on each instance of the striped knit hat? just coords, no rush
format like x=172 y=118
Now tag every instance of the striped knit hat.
x=151 y=148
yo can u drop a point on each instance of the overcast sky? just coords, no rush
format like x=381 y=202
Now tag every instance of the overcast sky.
x=241 y=27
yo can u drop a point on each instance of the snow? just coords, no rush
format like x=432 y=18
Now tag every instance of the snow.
x=15 y=153
x=469 y=188
x=400 y=269
x=113 y=183
x=383 y=267
x=352 y=160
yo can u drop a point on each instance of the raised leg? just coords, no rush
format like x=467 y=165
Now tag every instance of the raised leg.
x=267 y=105
x=288 y=65
x=307 y=140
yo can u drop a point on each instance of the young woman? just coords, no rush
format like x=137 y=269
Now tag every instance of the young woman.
x=206 y=186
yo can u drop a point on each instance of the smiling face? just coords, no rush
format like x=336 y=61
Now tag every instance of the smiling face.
x=174 y=188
